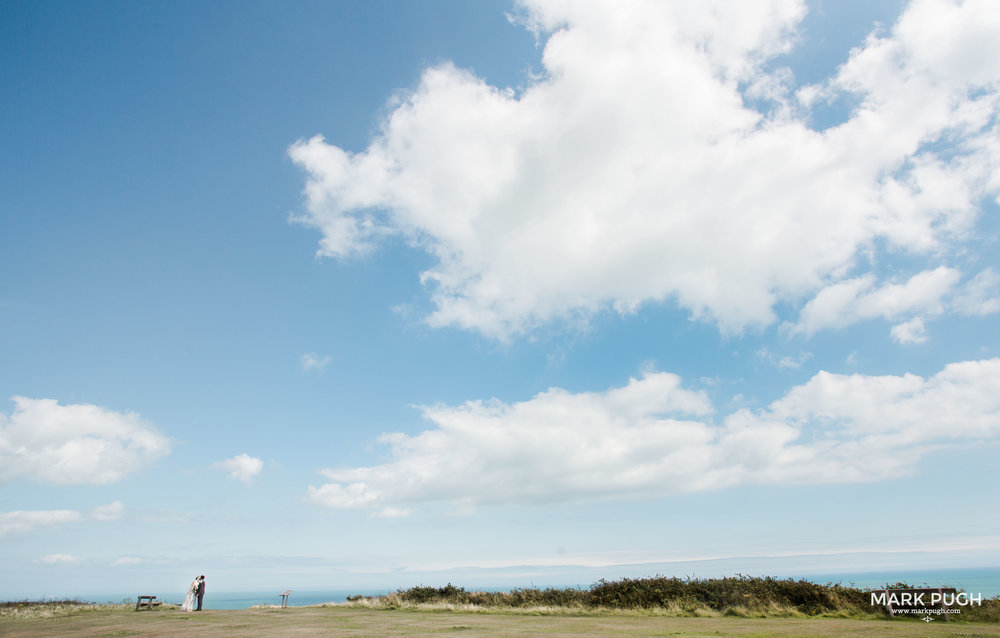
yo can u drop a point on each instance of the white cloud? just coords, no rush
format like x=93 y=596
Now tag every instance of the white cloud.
x=634 y=171
x=653 y=437
x=21 y=522
x=241 y=467
x=52 y=559
x=110 y=512
x=73 y=444
x=980 y=296
x=393 y=512
x=311 y=361
x=912 y=331
x=926 y=294
x=786 y=362
x=853 y=300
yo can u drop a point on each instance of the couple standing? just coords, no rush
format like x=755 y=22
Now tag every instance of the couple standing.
x=195 y=592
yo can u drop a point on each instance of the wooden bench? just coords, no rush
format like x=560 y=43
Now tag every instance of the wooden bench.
x=146 y=601
x=284 y=598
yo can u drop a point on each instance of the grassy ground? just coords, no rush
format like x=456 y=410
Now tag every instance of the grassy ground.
x=343 y=620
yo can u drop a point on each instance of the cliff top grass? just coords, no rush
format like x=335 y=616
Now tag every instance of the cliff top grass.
x=740 y=596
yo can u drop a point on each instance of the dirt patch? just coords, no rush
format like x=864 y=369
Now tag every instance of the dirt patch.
x=345 y=621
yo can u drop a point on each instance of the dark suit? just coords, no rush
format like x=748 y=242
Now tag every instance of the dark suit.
x=201 y=593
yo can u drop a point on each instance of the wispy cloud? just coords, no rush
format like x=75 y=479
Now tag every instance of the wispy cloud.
x=786 y=362
x=54 y=559
x=645 y=558
x=126 y=560
x=110 y=512
x=652 y=437
x=21 y=522
x=312 y=362
x=24 y=521
x=980 y=296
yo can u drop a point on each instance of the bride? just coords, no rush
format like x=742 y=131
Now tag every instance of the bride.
x=188 y=604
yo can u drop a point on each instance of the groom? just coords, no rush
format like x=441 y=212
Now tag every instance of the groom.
x=201 y=590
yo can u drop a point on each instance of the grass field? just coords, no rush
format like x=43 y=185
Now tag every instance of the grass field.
x=346 y=620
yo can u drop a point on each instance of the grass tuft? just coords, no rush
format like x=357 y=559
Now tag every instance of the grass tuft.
x=51 y=608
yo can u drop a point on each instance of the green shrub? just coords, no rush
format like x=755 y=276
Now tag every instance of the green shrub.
x=739 y=595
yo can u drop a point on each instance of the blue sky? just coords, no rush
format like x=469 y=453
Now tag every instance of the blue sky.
x=355 y=294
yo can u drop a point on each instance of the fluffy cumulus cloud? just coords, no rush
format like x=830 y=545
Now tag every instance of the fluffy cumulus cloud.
x=912 y=331
x=654 y=437
x=71 y=444
x=664 y=154
x=241 y=467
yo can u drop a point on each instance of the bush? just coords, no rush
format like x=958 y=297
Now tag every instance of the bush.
x=447 y=594
x=739 y=595
x=744 y=594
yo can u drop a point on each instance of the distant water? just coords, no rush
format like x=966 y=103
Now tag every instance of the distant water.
x=985 y=581
x=242 y=600
x=246 y=599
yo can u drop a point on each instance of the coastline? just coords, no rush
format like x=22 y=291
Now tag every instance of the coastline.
x=982 y=580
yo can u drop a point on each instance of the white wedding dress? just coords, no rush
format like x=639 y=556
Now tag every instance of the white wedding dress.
x=189 y=600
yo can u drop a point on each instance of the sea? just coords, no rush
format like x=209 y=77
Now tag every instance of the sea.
x=983 y=581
